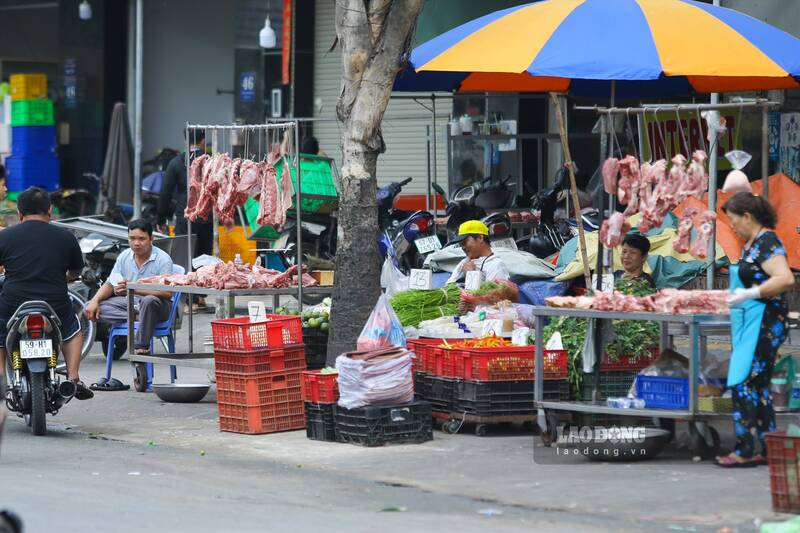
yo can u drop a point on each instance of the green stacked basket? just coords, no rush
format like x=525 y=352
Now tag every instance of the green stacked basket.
x=32 y=113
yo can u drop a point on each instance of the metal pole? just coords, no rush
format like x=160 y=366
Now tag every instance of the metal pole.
x=712 y=194
x=428 y=166
x=433 y=143
x=137 y=150
x=298 y=215
x=189 y=251
x=765 y=151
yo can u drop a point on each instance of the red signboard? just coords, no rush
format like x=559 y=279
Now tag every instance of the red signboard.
x=286 y=45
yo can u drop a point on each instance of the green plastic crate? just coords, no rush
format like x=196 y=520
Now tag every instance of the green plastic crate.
x=32 y=113
x=316 y=179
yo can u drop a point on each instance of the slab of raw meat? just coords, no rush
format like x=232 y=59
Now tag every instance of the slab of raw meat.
x=610 y=172
x=226 y=198
x=195 y=183
x=695 y=179
x=629 y=178
x=682 y=241
x=268 y=197
x=613 y=230
x=705 y=225
x=286 y=190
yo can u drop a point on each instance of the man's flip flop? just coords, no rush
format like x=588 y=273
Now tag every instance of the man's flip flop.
x=110 y=385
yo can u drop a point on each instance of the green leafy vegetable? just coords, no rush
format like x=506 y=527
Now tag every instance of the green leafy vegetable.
x=415 y=306
x=487 y=287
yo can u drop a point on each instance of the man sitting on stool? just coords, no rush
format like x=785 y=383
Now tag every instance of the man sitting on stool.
x=141 y=260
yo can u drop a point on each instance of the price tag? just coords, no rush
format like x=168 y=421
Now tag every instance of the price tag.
x=608 y=282
x=473 y=280
x=420 y=279
x=257 y=311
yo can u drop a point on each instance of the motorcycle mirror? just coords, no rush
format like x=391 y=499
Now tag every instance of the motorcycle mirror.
x=436 y=187
x=405 y=182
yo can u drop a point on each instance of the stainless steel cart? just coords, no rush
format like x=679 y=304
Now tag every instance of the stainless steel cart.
x=192 y=359
x=697 y=327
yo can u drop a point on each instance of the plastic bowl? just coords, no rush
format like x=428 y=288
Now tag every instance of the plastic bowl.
x=181 y=392
x=634 y=443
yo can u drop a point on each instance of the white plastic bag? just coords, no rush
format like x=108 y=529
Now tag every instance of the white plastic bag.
x=392 y=279
x=382 y=329
x=372 y=382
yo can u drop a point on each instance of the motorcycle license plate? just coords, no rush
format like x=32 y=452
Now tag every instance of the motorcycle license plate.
x=36 y=349
x=428 y=244
x=506 y=243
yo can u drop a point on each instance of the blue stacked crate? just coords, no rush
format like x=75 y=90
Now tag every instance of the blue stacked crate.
x=33 y=160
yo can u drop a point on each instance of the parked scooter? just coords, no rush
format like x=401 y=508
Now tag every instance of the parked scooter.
x=33 y=344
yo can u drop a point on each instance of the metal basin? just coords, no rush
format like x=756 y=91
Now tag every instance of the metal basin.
x=181 y=392
x=629 y=444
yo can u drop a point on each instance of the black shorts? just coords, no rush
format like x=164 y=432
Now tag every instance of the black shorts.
x=70 y=326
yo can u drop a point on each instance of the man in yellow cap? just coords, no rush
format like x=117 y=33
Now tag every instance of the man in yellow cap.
x=473 y=236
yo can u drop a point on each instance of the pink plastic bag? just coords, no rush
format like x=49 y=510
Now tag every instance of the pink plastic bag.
x=382 y=329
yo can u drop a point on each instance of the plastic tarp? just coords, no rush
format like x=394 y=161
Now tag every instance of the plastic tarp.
x=118 y=166
x=519 y=264
x=784 y=195
x=668 y=267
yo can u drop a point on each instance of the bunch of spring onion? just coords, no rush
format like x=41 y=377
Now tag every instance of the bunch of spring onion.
x=415 y=306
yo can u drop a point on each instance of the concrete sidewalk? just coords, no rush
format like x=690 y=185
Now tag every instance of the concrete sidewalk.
x=669 y=493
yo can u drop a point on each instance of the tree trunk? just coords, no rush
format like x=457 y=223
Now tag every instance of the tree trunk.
x=373 y=35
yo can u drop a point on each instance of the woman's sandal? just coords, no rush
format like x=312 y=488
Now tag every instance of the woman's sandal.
x=733 y=461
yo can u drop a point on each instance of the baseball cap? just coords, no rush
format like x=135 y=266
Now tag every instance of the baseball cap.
x=470 y=227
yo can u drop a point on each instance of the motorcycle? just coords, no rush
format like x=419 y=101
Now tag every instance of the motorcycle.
x=412 y=235
x=33 y=345
x=472 y=201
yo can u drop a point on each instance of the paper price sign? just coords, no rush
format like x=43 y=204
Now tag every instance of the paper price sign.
x=420 y=279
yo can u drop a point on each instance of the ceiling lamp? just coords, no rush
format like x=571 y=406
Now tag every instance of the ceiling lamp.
x=266 y=37
x=85 y=10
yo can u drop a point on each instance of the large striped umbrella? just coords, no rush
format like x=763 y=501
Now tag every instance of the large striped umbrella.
x=647 y=47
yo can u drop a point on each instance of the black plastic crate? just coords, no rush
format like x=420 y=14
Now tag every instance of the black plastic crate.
x=612 y=385
x=439 y=392
x=379 y=425
x=320 y=423
x=503 y=398
x=316 y=342
x=420 y=389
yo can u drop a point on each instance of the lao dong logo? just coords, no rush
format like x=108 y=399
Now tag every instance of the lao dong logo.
x=600 y=435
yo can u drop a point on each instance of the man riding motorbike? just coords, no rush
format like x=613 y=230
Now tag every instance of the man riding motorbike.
x=38 y=258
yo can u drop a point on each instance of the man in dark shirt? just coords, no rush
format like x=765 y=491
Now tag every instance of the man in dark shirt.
x=38 y=257
x=173 y=188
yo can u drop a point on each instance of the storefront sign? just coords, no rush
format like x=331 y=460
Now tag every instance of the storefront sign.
x=70 y=82
x=790 y=145
x=665 y=136
x=286 y=43
x=774 y=136
x=247 y=86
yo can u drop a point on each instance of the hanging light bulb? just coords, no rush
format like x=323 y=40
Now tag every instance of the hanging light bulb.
x=266 y=36
x=85 y=10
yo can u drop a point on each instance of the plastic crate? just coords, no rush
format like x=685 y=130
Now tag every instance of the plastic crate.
x=625 y=363
x=319 y=388
x=33 y=140
x=438 y=392
x=27 y=86
x=238 y=420
x=503 y=398
x=24 y=172
x=612 y=385
x=783 y=453
x=32 y=113
x=320 y=423
x=427 y=354
x=379 y=425
x=268 y=360
x=316 y=342
x=663 y=392
x=241 y=335
x=508 y=363
x=258 y=389
x=715 y=404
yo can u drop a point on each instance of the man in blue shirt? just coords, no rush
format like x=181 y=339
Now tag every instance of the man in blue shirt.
x=141 y=260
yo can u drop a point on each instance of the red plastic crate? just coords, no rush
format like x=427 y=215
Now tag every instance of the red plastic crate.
x=783 y=453
x=509 y=363
x=242 y=336
x=626 y=364
x=319 y=388
x=267 y=360
x=258 y=389
x=237 y=419
x=425 y=350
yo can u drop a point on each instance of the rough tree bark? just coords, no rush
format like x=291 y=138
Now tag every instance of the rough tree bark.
x=373 y=36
